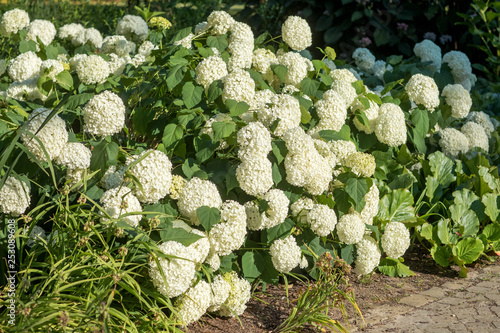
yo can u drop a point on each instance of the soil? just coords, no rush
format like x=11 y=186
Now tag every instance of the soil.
x=265 y=311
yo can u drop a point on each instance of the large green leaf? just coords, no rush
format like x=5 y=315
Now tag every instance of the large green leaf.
x=208 y=216
x=441 y=254
x=280 y=71
x=357 y=189
x=397 y=206
x=393 y=267
x=104 y=155
x=309 y=86
x=420 y=120
x=433 y=190
x=442 y=168
x=222 y=129
x=179 y=235
x=492 y=232
x=171 y=135
x=469 y=199
x=343 y=134
x=191 y=94
x=252 y=264
x=236 y=108
x=442 y=231
x=466 y=219
x=280 y=231
x=175 y=76
x=468 y=250
x=492 y=202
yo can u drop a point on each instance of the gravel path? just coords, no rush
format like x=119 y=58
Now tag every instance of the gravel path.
x=460 y=306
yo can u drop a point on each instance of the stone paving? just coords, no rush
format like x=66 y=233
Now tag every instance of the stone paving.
x=461 y=306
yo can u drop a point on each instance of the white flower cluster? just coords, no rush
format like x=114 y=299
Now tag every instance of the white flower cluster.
x=239 y=86
x=284 y=107
x=119 y=201
x=343 y=74
x=363 y=58
x=201 y=247
x=133 y=27
x=361 y=164
x=342 y=149
x=395 y=240
x=176 y=187
x=228 y=235
x=296 y=65
x=482 y=119
x=194 y=303
x=302 y=161
x=179 y=270
x=351 y=228
x=104 y=114
x=70 y=31
x=13 y=20
x=379 y=68
x=274 y=215
x=93 y=69
x=285 y=254
x=300 y=209
x=476 y=135
x=367 y=255
x=241 y=45
x=458 y=98
x=209 y=70
x=220 y=292
x=331 y=110
x=372 y=198
x=41 y=29
x=254 y=174
x=296 y=33
x=153 y=172
x=25 y=66
x=195 y=194
x=219 y=22
x=52 y=137
x=51 y=67
x=423 y=90
x=112 y=178
x=89 y=36
x=426 y=50
x=239 y=295
x=25 y=90
x=453 y=142
x=461 y=68
x=119 y=45
x=371 y=114
x=76 y=157
x=262 y=60
x=390 y=126
x=14 y=197
x=321 y=219
x=187 y=41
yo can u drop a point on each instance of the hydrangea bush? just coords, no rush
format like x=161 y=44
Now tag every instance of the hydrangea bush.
x=216 y=160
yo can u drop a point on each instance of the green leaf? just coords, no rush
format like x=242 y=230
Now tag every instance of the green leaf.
x=104 y=155
x=277 y=178
x=434 y=191
x=236 y=108
x=357 y=189
x=252 y=265
x=231 y=180
x=442 y=231
x=492 y=232
x=171 y=135
x=26 y=46
x=51 y=52
x=487 y=181
x=280 y=231
x=179 y=235
x=222 y=129
x=220 y=43
x=279 y=150
x=175 y=76
x=347 y=253
x=468 y=250
x=397 y=206
x=443 y=168
x=393 y=267
x=65 y=80
x=389 y=86
x=208 y=216
x=77 y=100
x=215 y=90
x=426 y=232
x=280 y=71
x=418 y=141
x=491 y=202
x=343 y=134
x=465 y=218
x=309 y=86
x=441 y=255
x=191 y=94
x=394 y=59
x=420 y=120
x=204 y=149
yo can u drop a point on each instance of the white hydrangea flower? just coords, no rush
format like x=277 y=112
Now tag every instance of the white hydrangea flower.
x=133 y=27
x=178 y=184
x=423 y=90
x=53 y=67
x=74 y=155
x=255 y=175
x=239 y=295
x=195 y=194
x=322 y=220
x=104 y=114
x=213 y=260
x=453 y=142
x=284 y=107
x=186 y=42
x=367 y=256
x=262 y=61
x=371 y=113
x=209 y=70
x=154 y=174
x=300 y=208
x=41 y=29
x=296 y=67
x=426 y=50
x=117 y=64
x=25 y=90
x=91 y=36
x=119 y=201
x=239 y=86
x=220 y=22
x=372 y=198
x=343 y=74
x=482 y=119
x=379 y=68
x=361 y=164
x=332 y=112
x=285 y=254
x=13 y=20
x=228 y=235
x=241 y=32
x=146 y=48
x=459 y=64
x=14 y=197
x=179 y=271
x=194 y=303
x=342 y=149
x=350 y=228
x=35 y=235
x=117 y=44
x=201 y=247
x=390 y=125
x=93 y=69
x=459 y=100
x=395 y=240
x=296 y=33
x=112 y=178
x=70 y=31
x=75 y=60
x=53 y=136
x=241 y=56
x=201 y=28
x=253 y=139
x=75 y=176
x=275 y=214
x=364 y=58
x=476 y=135
x=220 y=293
x=345 y=89
x=25 y=66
